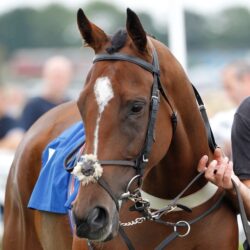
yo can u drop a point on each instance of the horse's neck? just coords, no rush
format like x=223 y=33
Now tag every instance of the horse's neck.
x=189 y=143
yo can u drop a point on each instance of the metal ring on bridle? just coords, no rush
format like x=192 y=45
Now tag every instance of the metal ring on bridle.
x=131 y=181
x=127 y=193
x=186 y=224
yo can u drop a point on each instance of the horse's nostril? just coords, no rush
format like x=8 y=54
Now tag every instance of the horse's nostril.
x=93 y=225
x=97 y=219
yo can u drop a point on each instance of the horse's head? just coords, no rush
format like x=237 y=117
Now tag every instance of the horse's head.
x=118 y=106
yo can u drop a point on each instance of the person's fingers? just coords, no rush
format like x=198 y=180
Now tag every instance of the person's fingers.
x=202 y=163
x=227 y=182
x=219 y=174
x=209 y=174
x=225 y=160
x=218 y=155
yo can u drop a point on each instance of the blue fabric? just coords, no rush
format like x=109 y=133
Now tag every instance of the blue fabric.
x=72 y=196
x=51 y=190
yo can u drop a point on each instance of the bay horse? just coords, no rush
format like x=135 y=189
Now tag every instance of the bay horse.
x=145 y=131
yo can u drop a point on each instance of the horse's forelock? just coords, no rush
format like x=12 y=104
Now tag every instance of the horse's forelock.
x=118 y=41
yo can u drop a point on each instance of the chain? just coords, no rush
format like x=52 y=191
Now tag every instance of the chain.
x=143 y=206
x=136 y=221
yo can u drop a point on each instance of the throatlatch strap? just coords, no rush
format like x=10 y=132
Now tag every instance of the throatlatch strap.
x=211 y=140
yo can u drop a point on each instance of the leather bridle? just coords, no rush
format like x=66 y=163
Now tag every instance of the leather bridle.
x=141 y=160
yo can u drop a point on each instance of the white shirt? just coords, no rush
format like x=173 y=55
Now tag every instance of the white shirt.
x=221 y=125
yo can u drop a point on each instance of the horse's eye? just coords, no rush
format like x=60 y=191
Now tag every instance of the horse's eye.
x=136 y=108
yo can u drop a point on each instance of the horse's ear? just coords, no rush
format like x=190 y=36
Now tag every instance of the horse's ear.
x=93 y=35
x=136 y=31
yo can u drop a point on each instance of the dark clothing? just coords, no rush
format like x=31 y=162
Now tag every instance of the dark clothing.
x=246 y=246
x=241 y=140
x=6 y=124
x=35 y=108
x=241 y=144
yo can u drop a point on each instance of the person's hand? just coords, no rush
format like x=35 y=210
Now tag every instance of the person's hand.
x=219 y=171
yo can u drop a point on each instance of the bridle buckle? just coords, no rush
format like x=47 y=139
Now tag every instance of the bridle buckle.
x=156 y=97
x=144 y=158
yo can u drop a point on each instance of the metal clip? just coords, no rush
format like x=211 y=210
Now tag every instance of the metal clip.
x=202 y=107
x=125 y=195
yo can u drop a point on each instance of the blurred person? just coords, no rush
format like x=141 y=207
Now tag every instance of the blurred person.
x=57 y=75
x=10 y=132
x=16 y=98
x=10 y=136
x=236 y=83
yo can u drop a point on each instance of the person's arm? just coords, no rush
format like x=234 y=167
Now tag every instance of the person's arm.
x=220 y=172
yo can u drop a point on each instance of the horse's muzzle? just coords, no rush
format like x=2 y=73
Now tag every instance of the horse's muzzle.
x=95 y=226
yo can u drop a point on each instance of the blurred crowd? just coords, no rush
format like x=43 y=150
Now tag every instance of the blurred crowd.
x=18 y=113
x=235 y=79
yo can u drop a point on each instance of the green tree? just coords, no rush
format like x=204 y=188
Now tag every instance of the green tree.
x=55 y=25
x=197 y=30
x=110 y=18
x=233 y=25
x=26 y=27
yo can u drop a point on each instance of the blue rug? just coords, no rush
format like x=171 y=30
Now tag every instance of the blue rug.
x=51 y=190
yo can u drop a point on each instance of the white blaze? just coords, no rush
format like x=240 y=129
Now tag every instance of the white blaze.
x=103 y=93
